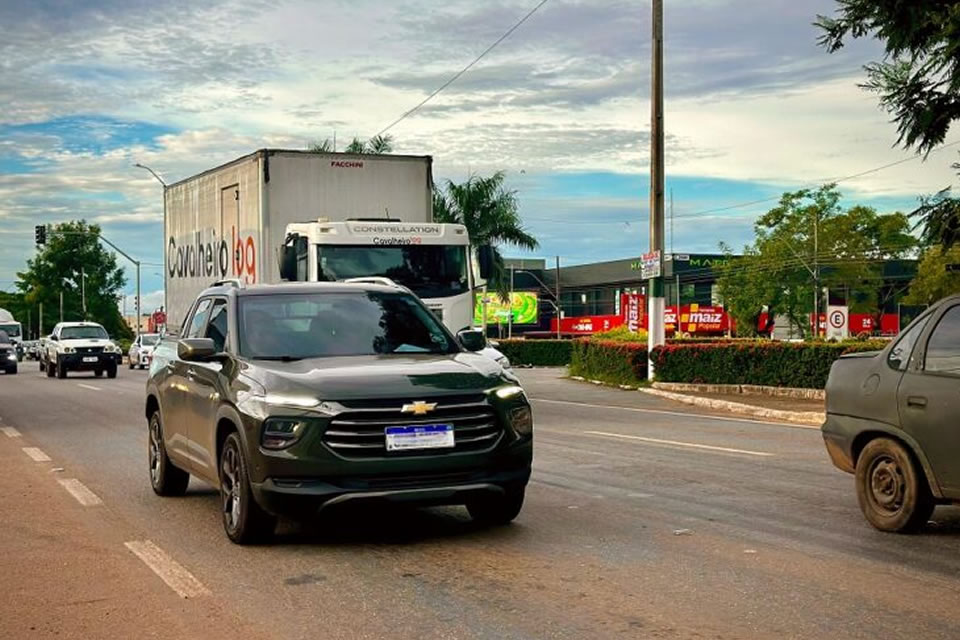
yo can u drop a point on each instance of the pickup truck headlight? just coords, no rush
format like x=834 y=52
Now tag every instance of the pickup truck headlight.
x=280 y=433
x=521 y=419
x=68 y=349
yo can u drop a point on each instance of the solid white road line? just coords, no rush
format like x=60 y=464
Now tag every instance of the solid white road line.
x=675 y=443
x=169 y=570
x=36 y=454
x=10 y=432
x=79 y=491
x=89 y=386
x=674 y=413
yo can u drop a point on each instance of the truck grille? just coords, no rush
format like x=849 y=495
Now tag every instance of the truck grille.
x=359 y=432
x=88 y=350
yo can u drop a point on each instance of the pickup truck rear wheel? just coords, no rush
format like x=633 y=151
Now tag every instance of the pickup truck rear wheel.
x=891 y=488
x=244 y=521
x=112 y=371
x=49 y=369
x=165 y=478
x=497 y=509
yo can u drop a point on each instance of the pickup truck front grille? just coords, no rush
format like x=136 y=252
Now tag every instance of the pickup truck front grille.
x=89 y=350
x=359 y=432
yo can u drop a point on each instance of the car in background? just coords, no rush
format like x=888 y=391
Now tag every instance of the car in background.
x=892 y=421
x=141 y=351
x=8 y=354
x=294 y=398
x=80 y=346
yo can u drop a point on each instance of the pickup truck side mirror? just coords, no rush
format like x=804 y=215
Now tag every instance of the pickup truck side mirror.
x=54 y=338
x=485 y=261
x=196 y=349
x=472 y=340
x=288 y=262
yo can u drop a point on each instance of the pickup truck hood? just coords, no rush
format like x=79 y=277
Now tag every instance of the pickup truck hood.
x=85 y=342
x=388 y=376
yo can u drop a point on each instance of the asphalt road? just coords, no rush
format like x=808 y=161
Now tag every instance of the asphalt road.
x=643 y=520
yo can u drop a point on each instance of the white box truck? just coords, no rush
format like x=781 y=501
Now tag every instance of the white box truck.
x=329 y=216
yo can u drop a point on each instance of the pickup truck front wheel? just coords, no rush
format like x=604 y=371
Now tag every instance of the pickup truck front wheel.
x=891 y=488
x=61 y=369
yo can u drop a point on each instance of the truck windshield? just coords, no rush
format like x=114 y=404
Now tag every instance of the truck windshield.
x=83 y=333
x=293 y=327
x=430 y=271
x=12 y=330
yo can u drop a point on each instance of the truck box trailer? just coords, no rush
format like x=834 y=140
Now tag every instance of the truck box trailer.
x=230 y=221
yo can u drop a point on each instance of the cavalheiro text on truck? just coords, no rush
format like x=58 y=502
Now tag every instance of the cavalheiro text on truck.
x=327 y=216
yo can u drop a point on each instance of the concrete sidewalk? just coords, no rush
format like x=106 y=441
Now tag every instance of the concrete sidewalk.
x=67 y=572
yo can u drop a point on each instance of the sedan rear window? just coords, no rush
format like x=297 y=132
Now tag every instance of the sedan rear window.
x=280 y=327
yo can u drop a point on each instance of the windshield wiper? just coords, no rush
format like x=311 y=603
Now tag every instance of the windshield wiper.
x=279 y=358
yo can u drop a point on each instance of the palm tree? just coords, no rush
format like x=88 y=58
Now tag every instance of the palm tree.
x=489 y=212
x=356 y=146
x=377 y=145
x=380 y=144
x=321 y=147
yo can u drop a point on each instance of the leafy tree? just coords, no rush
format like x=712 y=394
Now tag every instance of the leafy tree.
x=809 y=238
x=933 y=281
x=72 y=252
x=918 y=81
x=489 y=212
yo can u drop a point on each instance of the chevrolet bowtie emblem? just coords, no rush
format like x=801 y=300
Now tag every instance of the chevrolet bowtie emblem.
x=419 y=407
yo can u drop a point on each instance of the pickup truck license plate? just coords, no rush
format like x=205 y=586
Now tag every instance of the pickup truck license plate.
x=90 y=359
x=421 y=436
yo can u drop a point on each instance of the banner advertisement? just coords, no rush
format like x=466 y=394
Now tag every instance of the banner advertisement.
x=525 y=306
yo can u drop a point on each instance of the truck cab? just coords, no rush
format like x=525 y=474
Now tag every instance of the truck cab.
x=434 y=261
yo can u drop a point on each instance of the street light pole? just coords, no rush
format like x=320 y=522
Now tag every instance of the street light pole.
x=510 y=306
x=165 y=186
x=83 y=292
x=656 y=335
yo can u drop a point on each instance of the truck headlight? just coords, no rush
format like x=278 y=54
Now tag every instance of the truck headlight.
x=280 y=433
x=68 y=349
x=521 y=419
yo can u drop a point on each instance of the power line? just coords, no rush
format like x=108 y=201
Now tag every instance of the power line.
x=464 y=70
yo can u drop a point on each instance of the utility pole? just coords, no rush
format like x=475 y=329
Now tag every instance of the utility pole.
x=816 y=277
x=559 y=312
x=61 y=302
x=656 y=335
x=40 y=335
x=671 y=220
x=83 y=292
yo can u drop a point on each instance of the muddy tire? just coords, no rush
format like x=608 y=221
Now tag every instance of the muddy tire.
x=892 y=488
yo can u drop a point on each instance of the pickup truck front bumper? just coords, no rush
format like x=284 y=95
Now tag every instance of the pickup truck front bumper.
x=87 y=361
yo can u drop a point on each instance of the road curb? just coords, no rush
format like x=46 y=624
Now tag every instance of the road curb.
x=798 y=417
x=742 y=389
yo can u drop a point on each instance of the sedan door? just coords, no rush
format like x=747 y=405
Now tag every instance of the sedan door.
x=929 y=399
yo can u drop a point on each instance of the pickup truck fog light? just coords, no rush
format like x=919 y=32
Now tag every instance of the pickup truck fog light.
x=521 y=419
x=280 y=433
x=11 y=356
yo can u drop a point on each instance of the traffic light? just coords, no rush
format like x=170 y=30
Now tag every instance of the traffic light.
x=40 y=234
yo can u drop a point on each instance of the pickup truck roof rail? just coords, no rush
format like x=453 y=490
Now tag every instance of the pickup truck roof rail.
x=237 y=283
x=386 y=282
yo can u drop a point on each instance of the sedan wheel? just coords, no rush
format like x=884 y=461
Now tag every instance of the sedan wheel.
x=891 y=487
x=165 y=478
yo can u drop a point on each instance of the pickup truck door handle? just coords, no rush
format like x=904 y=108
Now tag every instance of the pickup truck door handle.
x=916 y=401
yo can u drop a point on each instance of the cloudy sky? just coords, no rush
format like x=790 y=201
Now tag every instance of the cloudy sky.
x=753 y=107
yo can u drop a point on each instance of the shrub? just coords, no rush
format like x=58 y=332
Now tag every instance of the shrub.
x=621 y=334
x=778 y=364
x=537 y=353
x=609 y=361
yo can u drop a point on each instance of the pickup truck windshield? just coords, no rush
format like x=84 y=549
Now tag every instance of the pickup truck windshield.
x=12 y=330
x=83 y=333
x=430 y=271
x=282 y=327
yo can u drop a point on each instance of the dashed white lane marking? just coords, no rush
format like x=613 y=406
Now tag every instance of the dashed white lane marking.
x=674 y=413
x=89 y=386
x=168 y=569
x=79 y=491
x=36 y=454
x=675 y=443
x=10 y=432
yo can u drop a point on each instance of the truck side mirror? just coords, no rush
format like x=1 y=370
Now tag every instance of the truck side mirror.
x=288 y=262
x=485 y=261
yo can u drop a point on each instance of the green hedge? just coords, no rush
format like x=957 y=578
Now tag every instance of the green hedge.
x=779 y=364
x=608 y=361
x=537 y=353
